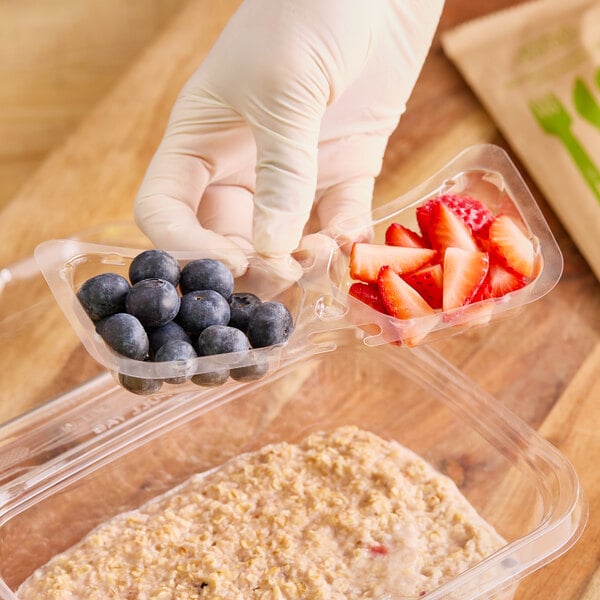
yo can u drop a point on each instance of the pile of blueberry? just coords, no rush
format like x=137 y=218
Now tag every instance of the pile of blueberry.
x=165 y=312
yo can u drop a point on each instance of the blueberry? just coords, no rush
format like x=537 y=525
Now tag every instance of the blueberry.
x=270 y=323
x=154 y=302
x=125 y=335
x=154 y=264
x=170 y=331
x=221 y=339
x=175 y=350
x=251 y=372
x=103 y=295
x=206 y=274
x=200 y=309
x=242 y=304
x=140 y=385
x=99 y=324
x=212 y=378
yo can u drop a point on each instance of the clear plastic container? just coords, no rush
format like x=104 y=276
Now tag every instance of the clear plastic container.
x=67 y=264
x=99 y=450
x=484 y=172
x=96 y=450
x=319 y=301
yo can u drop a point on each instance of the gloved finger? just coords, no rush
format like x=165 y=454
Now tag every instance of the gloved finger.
x=344 y=211
x=314 y=253
x=227 y=210
x=172 y=225
x=273 y=276
x=187 y=159
x=356 y=127
x=344 y=196
x=287 y=98
x=285 y=190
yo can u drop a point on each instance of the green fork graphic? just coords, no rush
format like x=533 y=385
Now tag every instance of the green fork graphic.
x=554 y=119
x=585 y=103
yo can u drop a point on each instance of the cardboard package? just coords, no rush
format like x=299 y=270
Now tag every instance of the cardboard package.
x=536 y=69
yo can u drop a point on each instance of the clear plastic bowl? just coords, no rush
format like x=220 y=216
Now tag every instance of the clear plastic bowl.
x=98 y=451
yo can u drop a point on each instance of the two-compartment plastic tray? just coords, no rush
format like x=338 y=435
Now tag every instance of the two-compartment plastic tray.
x=319 y=301
x=98 y=450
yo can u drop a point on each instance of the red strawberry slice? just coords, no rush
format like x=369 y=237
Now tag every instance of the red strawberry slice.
x=428 y=282
x=511 y=246
x=400 y=299
x=500 y=281
x=399 y=235
x=464 y=272
x=423 y=214
x=369 y=294
x=446 y=229
x=404 y=302
x=473 y=213
x=366 y=259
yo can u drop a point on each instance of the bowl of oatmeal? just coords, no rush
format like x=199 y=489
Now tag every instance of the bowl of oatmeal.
x=367 y=472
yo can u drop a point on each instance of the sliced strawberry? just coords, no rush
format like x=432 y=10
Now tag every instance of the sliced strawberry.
x=428 y=282
x=472 y=212
x=400 y=299
x=366 y=259
x=483 y=241
x=399 y=235
x=404 y=302
x=476 y=215
x=464 y=272
x=500 y=281
x=446 y=230
x=511 y=246
x=423 y=214
x=369 y=294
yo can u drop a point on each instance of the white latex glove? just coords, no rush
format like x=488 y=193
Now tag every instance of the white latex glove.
x=292 y=108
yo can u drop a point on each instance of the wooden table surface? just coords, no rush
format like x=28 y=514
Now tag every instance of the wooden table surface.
x=544 y=365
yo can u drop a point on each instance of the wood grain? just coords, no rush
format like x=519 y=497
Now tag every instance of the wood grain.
x=57 y=59
x=93 y=176
x=574 y=427
x=543 y=364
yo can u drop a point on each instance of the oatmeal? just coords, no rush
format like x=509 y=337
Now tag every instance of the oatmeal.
x=342 y=514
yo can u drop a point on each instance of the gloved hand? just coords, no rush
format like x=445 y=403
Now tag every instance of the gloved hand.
x=291 y=109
